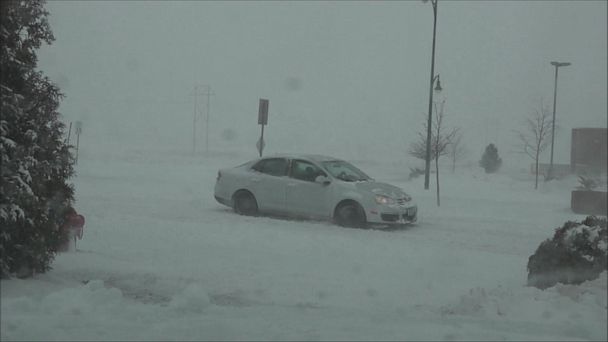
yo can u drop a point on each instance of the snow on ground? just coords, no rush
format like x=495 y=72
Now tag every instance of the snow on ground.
x=161 y=260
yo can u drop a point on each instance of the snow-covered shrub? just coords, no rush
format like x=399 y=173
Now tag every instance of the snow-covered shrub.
x=576 y=253
x=415 y=172
x=587 y=183
x=490 y=161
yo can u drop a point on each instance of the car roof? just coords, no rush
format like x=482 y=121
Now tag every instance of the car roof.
x=313 y=157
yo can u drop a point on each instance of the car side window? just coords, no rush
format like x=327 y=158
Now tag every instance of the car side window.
x=304 y=170
x=272 y=166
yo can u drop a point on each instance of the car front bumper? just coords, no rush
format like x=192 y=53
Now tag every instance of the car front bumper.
x=393 y=215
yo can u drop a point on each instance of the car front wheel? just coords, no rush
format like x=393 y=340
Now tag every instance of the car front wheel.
x=245 y=204
x=350 y=214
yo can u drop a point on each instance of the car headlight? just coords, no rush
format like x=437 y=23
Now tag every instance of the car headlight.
x=381 y=199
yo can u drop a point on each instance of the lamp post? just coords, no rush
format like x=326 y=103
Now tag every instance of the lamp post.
x=427 y=166
x=556 y=65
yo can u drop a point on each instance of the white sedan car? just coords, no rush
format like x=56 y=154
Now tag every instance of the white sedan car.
x=314 y=187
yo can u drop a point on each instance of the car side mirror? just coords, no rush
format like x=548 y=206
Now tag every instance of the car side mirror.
x=322 y=180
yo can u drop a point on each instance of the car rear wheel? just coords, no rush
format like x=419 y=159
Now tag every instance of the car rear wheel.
x=350 y=214
x=245 y=203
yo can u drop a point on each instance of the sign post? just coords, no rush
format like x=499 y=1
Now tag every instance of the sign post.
x=78 y=132
x=262 y=120
x=69 y=133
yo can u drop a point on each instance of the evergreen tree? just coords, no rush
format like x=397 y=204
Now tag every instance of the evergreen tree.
x=36 y=162
x=490 y=160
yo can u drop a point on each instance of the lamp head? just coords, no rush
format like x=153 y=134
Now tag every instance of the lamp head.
x=438 y=86
x=558 y=64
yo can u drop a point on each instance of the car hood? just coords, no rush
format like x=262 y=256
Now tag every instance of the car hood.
x=380 y=188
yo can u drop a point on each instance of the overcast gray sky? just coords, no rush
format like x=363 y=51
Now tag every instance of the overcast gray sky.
x=347 y=78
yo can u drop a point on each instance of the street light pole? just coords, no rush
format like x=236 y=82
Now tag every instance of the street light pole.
x=556 y=65
x=427 y=166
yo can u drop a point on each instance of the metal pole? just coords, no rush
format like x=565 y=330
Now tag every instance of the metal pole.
x=194 y=121
x=77 y=146
x=557 y=65
x=207 y=121
x=69 y=133
x=262 y=141
x=550 y=173
x=429 y=122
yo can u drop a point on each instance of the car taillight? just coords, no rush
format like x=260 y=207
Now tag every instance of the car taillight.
x=219 y=175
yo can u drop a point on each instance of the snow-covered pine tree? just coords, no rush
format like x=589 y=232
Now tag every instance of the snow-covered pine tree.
x=36 y=161
x=490 y=160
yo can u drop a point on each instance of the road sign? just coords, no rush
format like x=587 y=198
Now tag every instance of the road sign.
x=263 y=112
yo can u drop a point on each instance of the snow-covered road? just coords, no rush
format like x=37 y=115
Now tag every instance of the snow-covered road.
x=161 y=260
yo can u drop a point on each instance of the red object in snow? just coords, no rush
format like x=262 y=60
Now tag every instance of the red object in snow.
x=75 y=222
x=74 y=225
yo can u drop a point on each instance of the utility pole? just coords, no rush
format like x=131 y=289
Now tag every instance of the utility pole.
x=208 y=93
x=194 y=117
x=201 y=90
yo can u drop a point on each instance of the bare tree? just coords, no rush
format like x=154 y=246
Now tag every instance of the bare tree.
x=534 y=136
x=440 y=140
x=456 y=149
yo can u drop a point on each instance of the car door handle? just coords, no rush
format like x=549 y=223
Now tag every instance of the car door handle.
x=291 y=184
x=255 y=179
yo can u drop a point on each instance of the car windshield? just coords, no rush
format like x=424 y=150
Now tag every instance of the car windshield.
x=345 y=171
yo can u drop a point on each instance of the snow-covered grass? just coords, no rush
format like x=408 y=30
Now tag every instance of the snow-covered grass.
x=161 y=260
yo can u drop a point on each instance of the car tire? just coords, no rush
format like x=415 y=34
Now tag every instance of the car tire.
x=350 y=214
x=245 y=203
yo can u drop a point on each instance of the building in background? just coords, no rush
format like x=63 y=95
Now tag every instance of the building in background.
x=588 y=150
